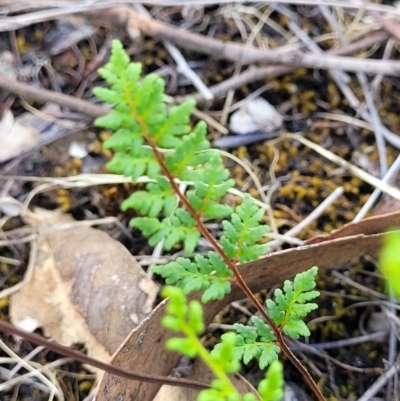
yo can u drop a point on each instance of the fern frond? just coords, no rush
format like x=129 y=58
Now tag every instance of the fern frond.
x=188 y=319
x=175 y=125
x=209 y=274
x=271 y=388
x=124 y=139
x=158 y=197
x=290 y=305
x=185 y=318
x=211 y=183
x=135 y=163
x=256 y=341
x=180 y=227
x=242 y=234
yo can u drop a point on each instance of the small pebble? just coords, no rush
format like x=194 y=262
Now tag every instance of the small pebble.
x=255 y=115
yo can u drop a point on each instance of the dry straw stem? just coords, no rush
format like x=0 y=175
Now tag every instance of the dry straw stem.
x=89 y=180
x=51 y=384
x=250 y=75
x=253 y=73
x=363 y=175
x=394 y=168
x=237 y=52
x=57 y=8
x=380 y=382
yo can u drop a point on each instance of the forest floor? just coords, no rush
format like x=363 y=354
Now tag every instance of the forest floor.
x=345 y=114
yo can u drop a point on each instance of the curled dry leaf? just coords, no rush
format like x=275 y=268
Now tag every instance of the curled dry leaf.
x=144 y=350
x=86 y=288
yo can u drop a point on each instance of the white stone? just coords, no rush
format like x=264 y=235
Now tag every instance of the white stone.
x=77 y=150
x=255 y=115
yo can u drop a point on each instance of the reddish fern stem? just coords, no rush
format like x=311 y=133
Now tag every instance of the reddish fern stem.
x=207 y=235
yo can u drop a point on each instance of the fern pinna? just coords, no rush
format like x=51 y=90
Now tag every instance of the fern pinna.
x=153 y=140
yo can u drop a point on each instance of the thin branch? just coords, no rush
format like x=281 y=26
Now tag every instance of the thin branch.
x=59 y=8
x=250 y=75
x=45 y=95
x=80 y=357
x=253 y=74
x=237 y=52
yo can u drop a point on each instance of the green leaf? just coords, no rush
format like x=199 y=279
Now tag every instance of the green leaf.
x=132 y=75
x=109 y=96
x=389 y=260
x=224 y=353
x=218 y=392
x=124 y=139
x=195 y=319
x=119 y=57
x=111 y=120
x=158 y=197
x=295 y=328
x=209 y=274
x=143 y=162
x=215 y=210
x=271 y=388
x=149 y=94
x=180 y=227
x=185 y=152
x=256 y=341
x=242 y=233
x=217 y=290
x=176 y=124
x=290 y=305
x=184 y=318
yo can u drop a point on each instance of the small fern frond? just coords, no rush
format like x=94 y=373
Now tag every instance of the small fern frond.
x=208 y=274
x=158 y=197
x=271 y=388
x=180 y=227
x=135 y=163
x=257 y=341
x=290 y=305
x=242 y=234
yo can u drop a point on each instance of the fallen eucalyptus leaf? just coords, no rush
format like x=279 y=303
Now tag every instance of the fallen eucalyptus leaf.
x=201 y=372
x=86 y=288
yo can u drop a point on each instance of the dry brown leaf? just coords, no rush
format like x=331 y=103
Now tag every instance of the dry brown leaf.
x=144 y=350
x=15 y=138
x=86 y=288
x=200 y=372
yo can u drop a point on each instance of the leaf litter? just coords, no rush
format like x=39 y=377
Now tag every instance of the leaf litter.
x=86 y=288
x=302 y=191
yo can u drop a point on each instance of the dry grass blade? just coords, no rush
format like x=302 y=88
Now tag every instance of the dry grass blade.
x=377 y=183
x=51 y=384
